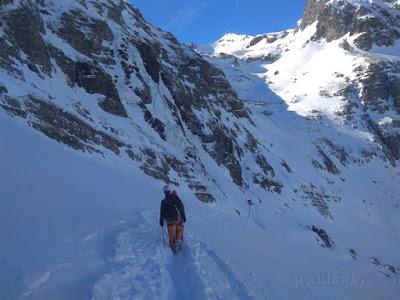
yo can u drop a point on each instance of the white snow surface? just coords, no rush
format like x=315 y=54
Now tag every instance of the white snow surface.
x=80 y=226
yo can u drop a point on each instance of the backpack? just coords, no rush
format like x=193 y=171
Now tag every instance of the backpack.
x=172 y=213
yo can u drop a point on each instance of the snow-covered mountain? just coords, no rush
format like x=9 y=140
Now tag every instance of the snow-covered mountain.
x=118 y=85
x=341 y=62
x=285 y=148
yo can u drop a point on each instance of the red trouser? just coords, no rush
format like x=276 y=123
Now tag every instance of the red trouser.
x=175 y=232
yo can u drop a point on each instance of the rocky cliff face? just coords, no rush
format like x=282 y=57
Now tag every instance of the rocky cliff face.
x=96 y=76
x=371 y=23
x=367 y=25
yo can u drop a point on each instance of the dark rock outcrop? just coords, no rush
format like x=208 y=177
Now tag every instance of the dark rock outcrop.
x=83 y=33
x=381 y=85
x=24 y=30
x=224 y=151
x=12 y=106
x=269 y=38
x=375 y=24
x=149 y=55
x=320 y=198
x=154 y=122
x=329 y=165
x=328 y=243
x=266 y=179
x=388 y=137
x=93 y=79
x=353 y=253
x=62 y=126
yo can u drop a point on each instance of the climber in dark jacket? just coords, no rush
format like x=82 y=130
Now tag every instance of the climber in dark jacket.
x=172 y=212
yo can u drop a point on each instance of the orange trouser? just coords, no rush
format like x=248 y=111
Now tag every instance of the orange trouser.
x=175 y=232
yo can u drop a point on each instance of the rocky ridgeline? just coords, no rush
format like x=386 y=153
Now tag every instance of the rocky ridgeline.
x=373 y=23
x=134 y=73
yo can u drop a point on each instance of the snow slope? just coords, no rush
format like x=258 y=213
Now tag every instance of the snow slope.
x=51 y=213
x=70 y=237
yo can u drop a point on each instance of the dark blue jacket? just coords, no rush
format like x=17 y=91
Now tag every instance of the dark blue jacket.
x=172 y=210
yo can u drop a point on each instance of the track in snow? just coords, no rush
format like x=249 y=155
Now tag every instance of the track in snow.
x=186 y=282
x=144 y=268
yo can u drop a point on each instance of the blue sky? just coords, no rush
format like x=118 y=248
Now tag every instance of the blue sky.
x=205 y=21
